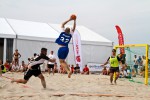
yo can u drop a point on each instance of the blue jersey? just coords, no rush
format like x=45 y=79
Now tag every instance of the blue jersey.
x=63 y=39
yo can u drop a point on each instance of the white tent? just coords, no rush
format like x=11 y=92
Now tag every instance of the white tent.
x=32 y=36
x=5 y=45
x=5 y=29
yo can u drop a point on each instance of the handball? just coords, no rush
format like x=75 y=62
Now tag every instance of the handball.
x=73 y=16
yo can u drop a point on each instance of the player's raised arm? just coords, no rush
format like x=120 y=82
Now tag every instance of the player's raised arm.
x=74 y=25
x=64 y=23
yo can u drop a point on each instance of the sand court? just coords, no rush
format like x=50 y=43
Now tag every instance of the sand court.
x=83 y=87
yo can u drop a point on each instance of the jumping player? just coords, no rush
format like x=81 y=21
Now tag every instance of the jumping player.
x=114 y=66
x=63 y=41
x=34 y=69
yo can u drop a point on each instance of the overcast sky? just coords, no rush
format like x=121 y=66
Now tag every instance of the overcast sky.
x=101 y=16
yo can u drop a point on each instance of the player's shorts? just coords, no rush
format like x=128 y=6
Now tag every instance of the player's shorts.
x=51 y=66
x=114 y=69
x=30 y=72
x=63 y=52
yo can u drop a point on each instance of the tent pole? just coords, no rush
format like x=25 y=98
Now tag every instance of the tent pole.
x=15 y=39
x=4 y=50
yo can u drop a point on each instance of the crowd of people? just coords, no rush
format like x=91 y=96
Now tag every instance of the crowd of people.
x=49 y=67
x=125 y=71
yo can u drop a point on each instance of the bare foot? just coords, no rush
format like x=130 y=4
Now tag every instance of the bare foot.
x=111 y=84
x=69 y=75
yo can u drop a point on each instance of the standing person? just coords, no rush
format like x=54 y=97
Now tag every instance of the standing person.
x=114 y=66
x=142 y=70
x=34 y=69
x=123 y=60
x=63 y=41
x=17 y=55
x=50 y=65
x=136 y=63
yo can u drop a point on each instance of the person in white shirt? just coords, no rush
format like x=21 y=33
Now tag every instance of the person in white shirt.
x=50 y=65
x=14 y=67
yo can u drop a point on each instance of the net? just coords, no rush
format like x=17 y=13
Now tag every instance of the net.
x=135 y=66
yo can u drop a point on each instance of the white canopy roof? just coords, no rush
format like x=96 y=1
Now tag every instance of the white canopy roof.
x=87 y=35
x=5 y=29
x=33 y=30
x=29 y=30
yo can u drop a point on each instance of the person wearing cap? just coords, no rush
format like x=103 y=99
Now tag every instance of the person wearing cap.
x=34 y=69
x=114 y=66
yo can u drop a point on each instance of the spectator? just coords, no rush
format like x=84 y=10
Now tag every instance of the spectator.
x=14 y=67
x=133 y=73
x=142 y=70
x=34 y=57
x=140 y=61
x=77 y=69
x=123 y=73
x=50 y=65
x=29 y=61
x=123 y=60
x=62 y=70
x=16 y=55
x=104 y=71
x=85 y=70
x=2 y=68
x=7 y=65
x=136 y=63
x=23 y=67
x=72 y=68
x=55 y=68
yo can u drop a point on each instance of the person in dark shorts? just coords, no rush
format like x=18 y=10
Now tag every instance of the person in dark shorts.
x=34 y=69
x=50 y=65
x=114 y=66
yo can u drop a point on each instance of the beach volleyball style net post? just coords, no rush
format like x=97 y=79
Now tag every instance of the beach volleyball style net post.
x=143 y=70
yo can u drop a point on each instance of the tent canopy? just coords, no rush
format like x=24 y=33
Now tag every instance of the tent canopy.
x=5 y=29
x=33 y=30
x=28 y=30
x=87 y=35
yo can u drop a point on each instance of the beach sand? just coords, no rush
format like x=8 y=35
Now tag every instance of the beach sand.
x=79 y=87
